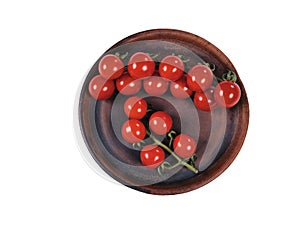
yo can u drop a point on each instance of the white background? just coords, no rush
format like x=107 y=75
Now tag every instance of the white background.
x=46 y=47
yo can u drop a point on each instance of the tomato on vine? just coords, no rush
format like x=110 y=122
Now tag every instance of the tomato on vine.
x=141 y=65
x=199 y=78
x=179 y=88
x=205 y=100
x=171 y=67
x=156 y=85
x=110 y=67
x=127 y=85
x=160 y=122
x=135 y=107
x=100 y=88
x=227 y=94
x=133 y=131
x=152 y=156
x=184 y=146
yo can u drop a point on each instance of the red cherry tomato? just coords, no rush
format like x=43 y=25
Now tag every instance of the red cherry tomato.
x=135 y=107
x=227 y=94
x=205 y=100
x=156 y=85
x=160 y=122
x=141 y=65
x=101 y=88
x=184 y=146
x=171 y=67
x=110 y=67
x=179 y=88
x=199 y=78
x=127 y=85
x=133 y=131
x=152 y=156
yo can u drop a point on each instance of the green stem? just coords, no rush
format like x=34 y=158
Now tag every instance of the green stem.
x=230 y=76
x=153 y=55
x=124 y=55
x=180 y=161
x=170 y=135
x=211 y=66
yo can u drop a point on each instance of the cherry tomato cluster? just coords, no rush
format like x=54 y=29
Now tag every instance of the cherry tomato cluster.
x=142 y=72
x=160 y=123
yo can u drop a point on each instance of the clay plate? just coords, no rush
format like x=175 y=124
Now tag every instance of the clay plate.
x=220 y=133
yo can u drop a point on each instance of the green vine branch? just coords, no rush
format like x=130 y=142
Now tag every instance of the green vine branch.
x=180 y=160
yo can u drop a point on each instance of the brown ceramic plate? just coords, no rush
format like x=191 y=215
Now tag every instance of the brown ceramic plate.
x=219 y=133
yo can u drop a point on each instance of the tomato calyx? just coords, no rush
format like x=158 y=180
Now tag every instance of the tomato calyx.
x=184 y=60
x=228 y=76
x=211 y=66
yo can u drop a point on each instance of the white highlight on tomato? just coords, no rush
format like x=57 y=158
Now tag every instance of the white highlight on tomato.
x=144 y=68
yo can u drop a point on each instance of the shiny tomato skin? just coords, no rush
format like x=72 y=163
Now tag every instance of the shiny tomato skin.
x=127 y=85
x=227 y=94
x=135 y=107
x=133 y=131
x=100 y=88
x=179 y=88
x=184 y=146
x=171 y=67
x=199 y=78
x=156 y=85
x=160 y=122
x=152 y=156
x=205 y=101
x=111 y=67
x=141 y=65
